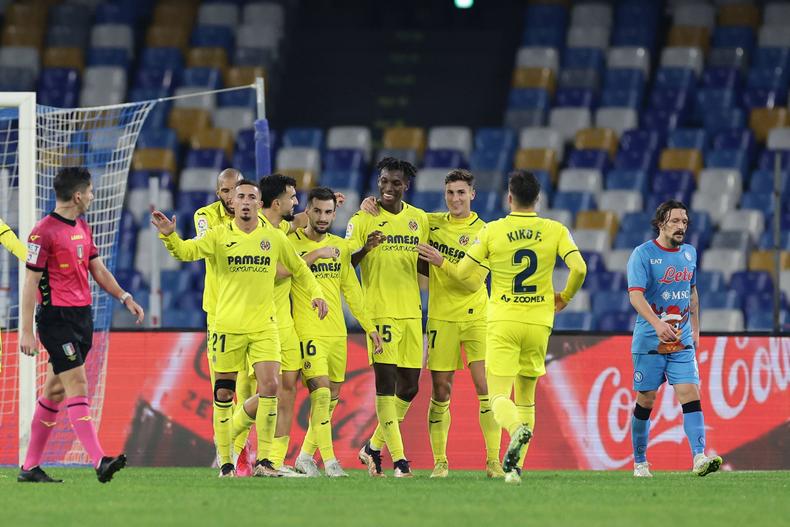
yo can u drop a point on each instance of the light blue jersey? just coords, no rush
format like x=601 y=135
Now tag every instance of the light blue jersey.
x=666 y=277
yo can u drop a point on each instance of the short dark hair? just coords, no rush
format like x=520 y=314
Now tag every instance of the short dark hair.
x=663 y=211
x=524 y=187
x=245 y=182
x=69 y=180
x=392 y=164
x=273 y=186
x=322 y=194
x=459 y=174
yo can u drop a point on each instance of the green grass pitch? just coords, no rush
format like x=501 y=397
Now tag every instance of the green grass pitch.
x=194 y=496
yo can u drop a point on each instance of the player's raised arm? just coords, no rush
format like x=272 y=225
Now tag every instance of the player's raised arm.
x=11 y=242
x=183 y=250
x=572 y=257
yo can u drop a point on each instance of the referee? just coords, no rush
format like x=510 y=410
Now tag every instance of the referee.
x=60 y=253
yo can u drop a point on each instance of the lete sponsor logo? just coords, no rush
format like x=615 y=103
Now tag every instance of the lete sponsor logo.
x=743 y=380
x=672 y=275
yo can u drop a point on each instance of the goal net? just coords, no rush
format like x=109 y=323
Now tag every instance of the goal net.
x=103 y=140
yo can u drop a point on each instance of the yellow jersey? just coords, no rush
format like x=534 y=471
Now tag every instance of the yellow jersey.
x=521 y=250
x=448 y=299
x=11 y=242
x=282 y=286
x=207 y=218
x=389 y=272
x=245 y=267
x=335 y=276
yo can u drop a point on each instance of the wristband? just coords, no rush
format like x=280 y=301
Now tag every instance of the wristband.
x=126 y=294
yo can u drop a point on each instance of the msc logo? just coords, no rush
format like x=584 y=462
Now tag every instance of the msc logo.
x=265 y=245
x=464 y=240
x=413 y=225
x=675 y=295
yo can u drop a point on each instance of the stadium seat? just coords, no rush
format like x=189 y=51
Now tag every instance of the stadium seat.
x=154 y=159
x=352 y=137
x=592 y=15
x=14 y=35
x=298 y=158
x=778 y=139
x=537 y=159
x=681 y=159
x=451 y=138
x=683 y=57
x=610 y=301
x=735 y=240
x=20 y=57
x=580 y=180
x=573 y=322
x=749 y=282
x=537 y=57
x=764 y=321
x=304 y=137
x=604 y=220
x=443 y=159
x=563 y=216
x=773 y=37
x=606 y=280
x=574 y=201
x=67 y=37
x=597 y=139
x=619 y=120
x=692 y=37
x=405 y=138
x=197 y=179
x=167 y=37
x=218 y=138
x=586 y=58
x=343 y=159
x=629 y=57
x=597 y=159
x=588 y=37
x=187 y=121
x=220 y=14
x=617 y=259
x=763 y=260
x=26 y=14
x=722 y=320
x=113 y=36
x=67 y=14
x=205 y=100
x=549 y=37
x=264 y=13
x=621 y=322
x=726 y=261
x=688 y=138
x=500 y=139
x=430 y=201
x=695 y=14
x=568 y=121
x=175 y=13
x=233 y=119
x=717 y=205
x=205 y=57
x=710 y=281
x=721 y=300
x=407 y=154
x=580 y=304
x=517 y=119
x=620 y=202
x=213 y=36
x=430 y=180
x=542 y=137
x=583 y=79
x=206 y=158
x=762 y=120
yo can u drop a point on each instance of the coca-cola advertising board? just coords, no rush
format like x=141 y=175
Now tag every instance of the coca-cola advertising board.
x=157 y=406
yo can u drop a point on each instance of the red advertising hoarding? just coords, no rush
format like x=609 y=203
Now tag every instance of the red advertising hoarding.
x=157 y=406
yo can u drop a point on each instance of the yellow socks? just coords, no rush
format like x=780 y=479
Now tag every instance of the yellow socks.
x=389 y=426
x=310 y=445
x=502 y=407
x=223 y=425
x=524 y=394
x=265 y=421
x=242 y=422
x=439 y=428
x=320 y=422
x=401 y=409
x=279 y=450
x=492 y=433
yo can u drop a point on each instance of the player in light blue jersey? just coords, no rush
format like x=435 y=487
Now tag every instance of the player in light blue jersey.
x=662 y=288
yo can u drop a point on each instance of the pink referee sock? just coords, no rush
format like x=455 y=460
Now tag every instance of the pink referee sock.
x=44 y=419
x=81 y=421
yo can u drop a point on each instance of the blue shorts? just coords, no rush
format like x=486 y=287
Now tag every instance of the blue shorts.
x=651 y=370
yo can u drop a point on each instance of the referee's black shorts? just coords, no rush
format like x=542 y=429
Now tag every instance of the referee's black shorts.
x=67 y=335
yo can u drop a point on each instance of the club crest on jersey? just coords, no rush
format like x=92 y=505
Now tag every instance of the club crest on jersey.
x=79 y=252
x=265 y=245
x=413 y=225
x=464 y=240
x=349 y=230
x=202 y=225
x=687 y=255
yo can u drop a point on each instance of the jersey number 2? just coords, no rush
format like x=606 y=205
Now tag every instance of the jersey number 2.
x=532 y=265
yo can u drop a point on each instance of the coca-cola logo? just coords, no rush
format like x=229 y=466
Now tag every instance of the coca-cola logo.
x=743 y=380
x=672 y=275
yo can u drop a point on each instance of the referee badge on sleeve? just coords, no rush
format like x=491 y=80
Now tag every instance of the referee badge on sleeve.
x=33 y=249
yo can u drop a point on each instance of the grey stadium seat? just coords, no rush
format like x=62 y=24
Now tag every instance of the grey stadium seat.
x=777 y=14
x=113 y=36
x=207 y=101
x=568 y=121
x=430 y=179
x=542 y=137
x=538 y=57
x=721 y=180
x=726 y=261
x=451 y=137
x=629 y=57
x=248 y=36
x=561 y=215
x=588 y=37
x=597 y=240
x=779 y=139
x=197 y=180
x=264 y=13
x=233 y=118
x=617 y=259
x=735 y=240
x=773 y=37
x=593 y=14
x=356 y=137
x=750 y=221
x=697 y=14
x=218 y=14
x=618 y=119
x=717 y=205
x=299 y=158
x=581 y=180
x=587 y=79
x=20 y=57
x=721 y=320
x=620 y=201
x=517 y=119
x=683 y=57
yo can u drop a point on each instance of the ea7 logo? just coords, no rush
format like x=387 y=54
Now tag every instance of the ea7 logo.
x=656 y=261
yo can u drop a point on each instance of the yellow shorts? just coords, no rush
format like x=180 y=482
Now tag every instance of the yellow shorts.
x=445 y=339
x=403 y=343
x=289 y=347
x=324 y=357
x=233 y=352
x=516 y=348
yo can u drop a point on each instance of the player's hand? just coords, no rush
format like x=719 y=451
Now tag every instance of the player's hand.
x=165 y=226
x=378 y=344
x=135 y=309
x=666 y=332
x=375 y=239
x=340 y=198
x=430 y=254
x=28 y=344
x=327 y=252
x=370 y=206
x=320 y=305
x=559 y=303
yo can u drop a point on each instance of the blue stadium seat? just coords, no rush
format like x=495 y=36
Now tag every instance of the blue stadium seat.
x=764 y=321
x=637 y=36
x=444 y=158
x=575 y=97
x=304 y=137
x=528 y=99
x=716 y=120
x=176 y=282
x=495 y=139
x=608 y=280
x=237 y=99
x=609 y=301
x=342 y=179
x=68 y=36
x=161 y=138
x=344 y=159
x=734 y=37
x=722 y=78
x=598 y=159
x=594 y=261
x=59 y=87
x=155 y=78
x=170 y=58
x=573 y=322
x=618 y=322
x=213 y=37
x=758 y=201
x=127 y=242
x=670 y=99
x=624 y=78
x=764 y=97
x=763 y=181
x=429 y=201
x=70 y=15
x=641 y=140
x=210 y=78
x=767 y=241
x=545 y=37
x=245 y=162
x=636 y=222
x=108 y=57
x=245 y=140
x=692 y=138
x=490 y=160
x=720 y=300
x=669 y=181
x=682 y=78
x=710 y=282
x=661 y=120
x=737 y=159
x=762 y=301
x=583 y=59
x=194 y=200
x=129 y=279
x=644 y=160
x=539 y=15
x=621 y=98
x=769 y=78
x=488 y=204
x=112 y=13
x=639 y=15
x=744 y=282
x=621 y=179
x=180 y=319
x=713 y=100
x=206 y=158
x=771 y=58
x=656 y=199
x=544 y=178
x=734 y=140
x=768 y=159
x=574 y=201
